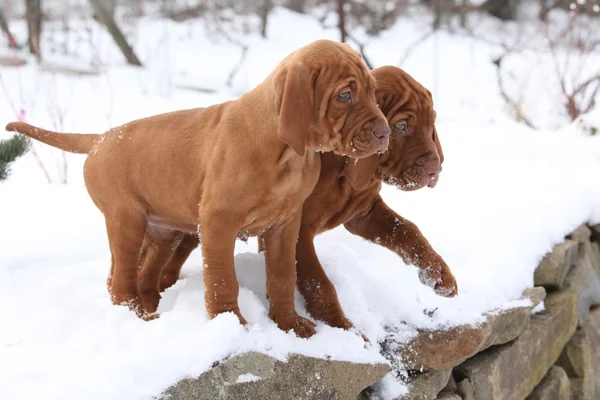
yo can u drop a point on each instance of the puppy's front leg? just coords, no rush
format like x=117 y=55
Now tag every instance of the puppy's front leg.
x=321 y=297
x=279 y=245
x=381 y=225
x=217 y=235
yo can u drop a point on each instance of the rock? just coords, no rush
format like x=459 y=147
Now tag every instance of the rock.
x=448 y=396
x=300 y=377
x=509 y=324
x=576 y=360
x=593 y=332
x=437 y=350
x=535 y=294
x=450 y=386
x=511 y=371
x=465 y=390
x=554 y=386
x=426 y=386
x=581 y=234
x=554 y=267
x=593 y=250
x=584 y=280
x=595 y=233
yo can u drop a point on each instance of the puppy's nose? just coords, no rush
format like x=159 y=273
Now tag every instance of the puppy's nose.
x=381 y=131
x=433 y=167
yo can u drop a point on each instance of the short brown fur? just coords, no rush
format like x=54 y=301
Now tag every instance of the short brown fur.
x=243 y=167
x=412 y=161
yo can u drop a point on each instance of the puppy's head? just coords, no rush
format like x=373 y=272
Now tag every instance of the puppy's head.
x=325 y=98
x=414 y=156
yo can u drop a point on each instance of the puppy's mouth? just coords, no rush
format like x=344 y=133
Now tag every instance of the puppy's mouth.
x=409 y=183
x=359 y=147
x=433 y=180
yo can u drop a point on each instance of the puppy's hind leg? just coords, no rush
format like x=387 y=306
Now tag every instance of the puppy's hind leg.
x=125 y=234
x=158 y=247
x=171 y=271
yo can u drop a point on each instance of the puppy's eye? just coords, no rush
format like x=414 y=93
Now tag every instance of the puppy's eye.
x=400 y=126
x=345 y=96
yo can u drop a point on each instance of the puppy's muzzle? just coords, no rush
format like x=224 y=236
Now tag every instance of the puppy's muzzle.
x=433 y=167
x=382 y=131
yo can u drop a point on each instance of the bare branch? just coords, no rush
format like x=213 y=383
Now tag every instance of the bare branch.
x=413 y=46
x=513 y=104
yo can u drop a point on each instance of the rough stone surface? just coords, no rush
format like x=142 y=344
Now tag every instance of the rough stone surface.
x=593 y=332
x=581 y=234
x=427 y=386
x=436 y=350
x=595 y=233
x=299 y=378
x=451 y=386
x=554 y=267
x=576 y=360
x=465 y=390
x=593 y=249
x=584 y=280
x=554 y=386
x=448 y=396
x=511 y=371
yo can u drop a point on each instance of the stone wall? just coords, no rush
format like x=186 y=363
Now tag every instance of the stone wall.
x=514 y=355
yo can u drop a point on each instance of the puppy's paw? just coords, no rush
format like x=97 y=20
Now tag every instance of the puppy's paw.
x=302 y=327
x=440 y=278
x=334 y=318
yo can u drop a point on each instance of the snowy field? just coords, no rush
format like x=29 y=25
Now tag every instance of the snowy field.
x=506 y=196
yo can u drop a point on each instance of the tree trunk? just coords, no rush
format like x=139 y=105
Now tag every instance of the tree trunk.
x=295 y=5
x=34 y=26
x=342 y=20
x=264 y=15
x=107 y=20
x=505 y=10
x=12 y=43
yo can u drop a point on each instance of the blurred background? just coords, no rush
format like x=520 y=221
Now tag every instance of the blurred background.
x=87 y=65
x=516 y=88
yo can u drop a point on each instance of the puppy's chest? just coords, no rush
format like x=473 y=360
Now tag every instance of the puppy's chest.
x=292 y=184
x=334 y=202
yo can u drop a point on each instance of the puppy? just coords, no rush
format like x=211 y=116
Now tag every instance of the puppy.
x=243 y=167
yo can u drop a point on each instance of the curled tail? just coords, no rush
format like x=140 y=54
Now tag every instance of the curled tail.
x=71 y=142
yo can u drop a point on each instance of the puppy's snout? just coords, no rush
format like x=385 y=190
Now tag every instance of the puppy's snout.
x=433 y=167
x=381 y=131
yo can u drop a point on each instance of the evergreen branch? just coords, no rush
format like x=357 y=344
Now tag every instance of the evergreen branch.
x=10 y=150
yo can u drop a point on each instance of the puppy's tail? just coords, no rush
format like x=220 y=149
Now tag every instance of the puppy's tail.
x=71 y=142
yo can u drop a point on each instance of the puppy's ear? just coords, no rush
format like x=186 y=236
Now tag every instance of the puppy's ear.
x=295 y=105
x=438 y=145
x=360 y=171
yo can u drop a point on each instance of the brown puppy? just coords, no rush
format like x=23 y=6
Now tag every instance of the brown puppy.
x=412 y=161
x=243 y=167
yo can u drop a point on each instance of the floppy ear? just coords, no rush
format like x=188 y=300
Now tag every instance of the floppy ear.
x=436 y=139
x=360 y=171
x=295 y=104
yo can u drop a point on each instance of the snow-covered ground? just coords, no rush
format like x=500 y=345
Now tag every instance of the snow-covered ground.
x=506 y=196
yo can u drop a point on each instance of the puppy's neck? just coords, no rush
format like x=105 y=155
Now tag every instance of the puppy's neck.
x=260 y=105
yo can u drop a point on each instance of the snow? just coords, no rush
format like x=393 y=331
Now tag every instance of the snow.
x=248 y=378
x=506 y=196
